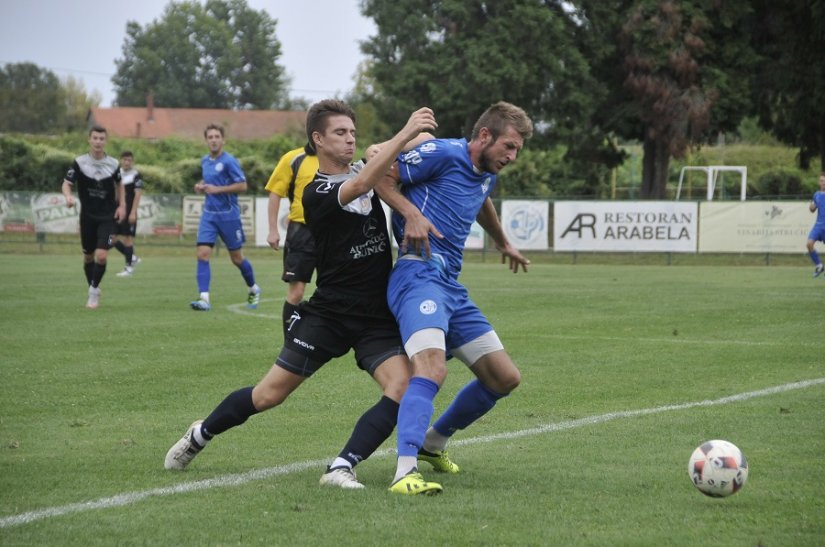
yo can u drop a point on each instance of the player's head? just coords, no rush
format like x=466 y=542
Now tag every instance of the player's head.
x=97 y=139
x=127 y=159
x=822 y=181
x=214 y=138
x=331 y=129
x=498 y=135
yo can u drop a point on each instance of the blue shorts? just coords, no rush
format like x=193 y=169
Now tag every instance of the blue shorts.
x=422 y=296
x=817 y=233
x=227 y=225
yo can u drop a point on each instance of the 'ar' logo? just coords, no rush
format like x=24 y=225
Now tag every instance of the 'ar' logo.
x=582 y=222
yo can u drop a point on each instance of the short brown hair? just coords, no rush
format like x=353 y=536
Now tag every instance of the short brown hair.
x=127 y=154
x=97 y=129
x=213 y=126
x=320 y=111
x=502 y=115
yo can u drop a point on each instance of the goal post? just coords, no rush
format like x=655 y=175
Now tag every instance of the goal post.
x=712 y=173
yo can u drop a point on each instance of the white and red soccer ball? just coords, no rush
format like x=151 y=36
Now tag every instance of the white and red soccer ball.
x=718 y=468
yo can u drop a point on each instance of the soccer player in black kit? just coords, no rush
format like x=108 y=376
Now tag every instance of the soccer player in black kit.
x=97 y=179
x=348 y=309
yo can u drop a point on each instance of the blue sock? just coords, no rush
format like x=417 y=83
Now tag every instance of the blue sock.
x=247 y=273
x=414 y=415
x=204 y=275
x=471 y=403
x=815 y=258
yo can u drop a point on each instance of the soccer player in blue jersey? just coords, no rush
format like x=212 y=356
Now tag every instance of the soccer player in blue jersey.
x=348 y=310
x=223 y=180
x=450 y=182
x=817 y=233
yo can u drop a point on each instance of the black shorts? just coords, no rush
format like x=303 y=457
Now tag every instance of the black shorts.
x=125 y=229
x=299 y=253
x=315 y=338
x=96 y=234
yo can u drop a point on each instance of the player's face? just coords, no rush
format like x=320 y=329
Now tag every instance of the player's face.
x=496 y=154
x=126 y=162
x=214 y=140
x=338 y=139
x=822 y=182
x=97 y=142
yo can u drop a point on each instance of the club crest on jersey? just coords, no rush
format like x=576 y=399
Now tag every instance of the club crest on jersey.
x=218 y=167
x=370 y=227
x=427 y=307
x=427 y=147
x=485 y=185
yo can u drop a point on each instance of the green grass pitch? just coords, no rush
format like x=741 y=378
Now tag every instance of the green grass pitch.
x=626 y=369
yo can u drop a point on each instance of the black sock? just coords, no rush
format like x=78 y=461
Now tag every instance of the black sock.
x=233 y=411
x=97 y=275
x=372 y=429
x=89 y=269
x=129 y=252
x=286 y=314
x=120 y=246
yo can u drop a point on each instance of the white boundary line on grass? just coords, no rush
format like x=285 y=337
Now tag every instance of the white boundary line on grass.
x=129 y=498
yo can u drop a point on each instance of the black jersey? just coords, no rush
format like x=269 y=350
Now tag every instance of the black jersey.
x=96 y=182
x=352 y=245
x=131 y=181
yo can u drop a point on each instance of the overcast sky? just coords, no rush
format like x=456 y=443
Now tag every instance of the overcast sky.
x=82 y=38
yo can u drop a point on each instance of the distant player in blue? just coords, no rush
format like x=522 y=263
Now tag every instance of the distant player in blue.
x=223 y=180
x=450 y=182
x=817 y=233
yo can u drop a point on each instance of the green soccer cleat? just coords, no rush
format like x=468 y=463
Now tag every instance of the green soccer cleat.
x=440 y=461
x=253 y=300
x=413 y=483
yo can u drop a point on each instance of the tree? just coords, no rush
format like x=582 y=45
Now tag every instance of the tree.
x=677 y=74
x=31 y=99
x=790 y=90
x=219 y=55
x=77 y=103
x=460 y=56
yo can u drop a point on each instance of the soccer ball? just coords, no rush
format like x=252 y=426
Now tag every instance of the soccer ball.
x=718 y=468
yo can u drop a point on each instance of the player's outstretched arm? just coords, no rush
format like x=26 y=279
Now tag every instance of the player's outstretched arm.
x=417 y=227
x=422 y=119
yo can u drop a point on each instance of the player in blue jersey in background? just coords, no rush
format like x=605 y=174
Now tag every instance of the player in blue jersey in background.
x=817 y=233
x=450 y=182
x=223 y=180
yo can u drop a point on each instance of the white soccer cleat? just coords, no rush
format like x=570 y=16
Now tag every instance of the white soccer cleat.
x=94 y=298
x=135 y=261
x=818 y=270
x=127 y=272
x=183 y=451
x=342 y=477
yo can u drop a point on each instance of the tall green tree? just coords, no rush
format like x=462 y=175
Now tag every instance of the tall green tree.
x=31 y=99
x=222 y=54
x=790 y=88
x=459 y=56
x=77 y=102
x=677 y=74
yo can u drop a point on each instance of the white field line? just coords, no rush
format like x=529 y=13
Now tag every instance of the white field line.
x=238 y=479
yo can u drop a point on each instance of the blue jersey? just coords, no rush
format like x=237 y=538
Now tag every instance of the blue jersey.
x=439 y=178
x=819 y=201
x=221 y=171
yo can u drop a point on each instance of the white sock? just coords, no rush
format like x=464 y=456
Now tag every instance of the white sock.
x=254 y=289
x=434 y=441
x=340 y=462
x=205 y=296
x=405 y=465
x=198 y=436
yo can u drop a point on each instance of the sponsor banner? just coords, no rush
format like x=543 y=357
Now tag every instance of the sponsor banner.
x=525 y=223
x=16 y=212
x=51 y=215
x=160 y=215
x=754 y=227
x=262 y=221
x=476 y=238
x=193 y=206
x=636 y=226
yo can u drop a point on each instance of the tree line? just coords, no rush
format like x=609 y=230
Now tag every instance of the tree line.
x=594 y=75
